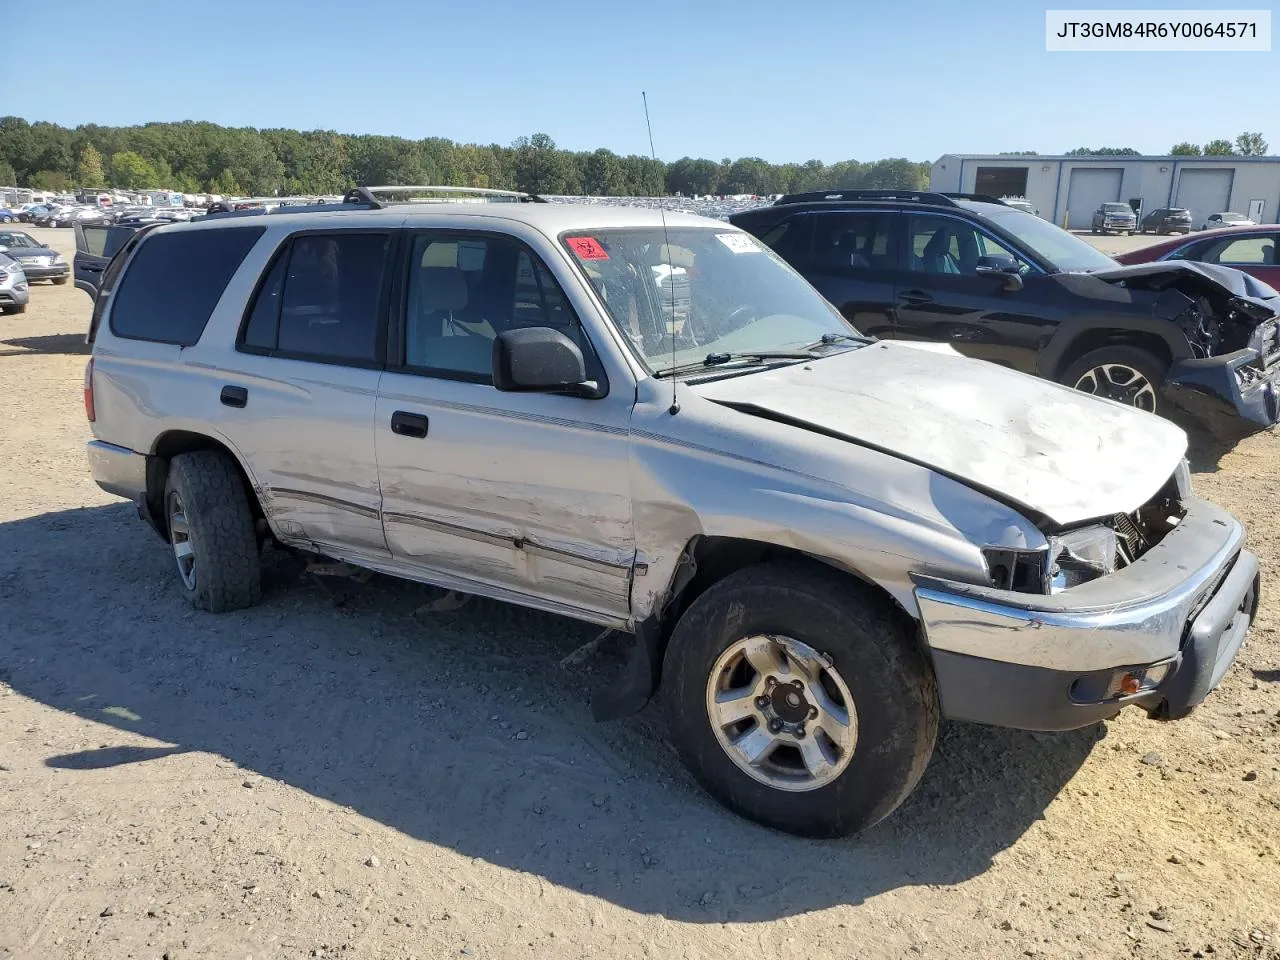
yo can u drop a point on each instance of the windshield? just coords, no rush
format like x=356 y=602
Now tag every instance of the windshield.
x=1116 y=208
x=712 y=291
x=16 y=240
x=1234 y=216
x=1063 y=252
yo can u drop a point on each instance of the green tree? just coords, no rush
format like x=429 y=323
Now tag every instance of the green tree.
x=541 y=168
x=1251 y=145
x=131 y=171
x=603 y=174
x=54 y=180
x=1185 y=149
x=1218 y=148
x=89 y=172
x=8 y=176
x=1103 y=152
x=225 y=184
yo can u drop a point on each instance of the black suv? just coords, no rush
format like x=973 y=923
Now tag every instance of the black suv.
x=1167 y=220
x=1003 y=285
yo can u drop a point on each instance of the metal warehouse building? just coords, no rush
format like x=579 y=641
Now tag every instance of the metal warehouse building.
x=1067 y=190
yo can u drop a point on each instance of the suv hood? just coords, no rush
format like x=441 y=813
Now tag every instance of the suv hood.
x=1061 y=455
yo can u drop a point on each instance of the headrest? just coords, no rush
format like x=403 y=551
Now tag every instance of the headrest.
x=441 y=289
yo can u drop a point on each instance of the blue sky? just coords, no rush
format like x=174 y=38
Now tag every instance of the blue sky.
x=860 y=79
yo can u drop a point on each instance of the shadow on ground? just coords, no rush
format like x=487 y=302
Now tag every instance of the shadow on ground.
x=66 y=343
x=462 y=729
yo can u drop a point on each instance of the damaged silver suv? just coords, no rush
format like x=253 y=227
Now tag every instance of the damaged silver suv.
x=815 y=543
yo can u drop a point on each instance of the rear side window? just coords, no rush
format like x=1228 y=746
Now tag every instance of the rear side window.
x=175 y=280
x=320 y=300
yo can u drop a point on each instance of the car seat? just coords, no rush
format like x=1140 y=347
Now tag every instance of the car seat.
x=432 y=335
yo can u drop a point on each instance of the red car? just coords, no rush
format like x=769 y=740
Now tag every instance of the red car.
x=1251 y=249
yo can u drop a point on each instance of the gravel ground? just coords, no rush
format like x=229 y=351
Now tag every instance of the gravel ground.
x=344 y=772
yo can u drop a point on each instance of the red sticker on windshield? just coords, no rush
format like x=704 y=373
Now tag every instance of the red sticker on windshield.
x=587 y=248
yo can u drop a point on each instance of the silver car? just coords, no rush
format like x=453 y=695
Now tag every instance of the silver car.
x=815 y=543
x=13 y=285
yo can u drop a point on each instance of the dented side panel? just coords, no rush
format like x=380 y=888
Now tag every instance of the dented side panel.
x=711 y=471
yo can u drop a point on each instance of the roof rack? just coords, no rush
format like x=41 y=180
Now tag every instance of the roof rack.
x=977 y=197
x=369 y=195
x=916 y=196
x=912 y=196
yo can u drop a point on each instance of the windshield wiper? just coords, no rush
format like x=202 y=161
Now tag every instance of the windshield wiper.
x=829 y=338
x=720 y=359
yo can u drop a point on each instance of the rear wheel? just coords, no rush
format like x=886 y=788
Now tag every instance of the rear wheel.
x=1128 y=375
x=799 y=699
x=211 y=532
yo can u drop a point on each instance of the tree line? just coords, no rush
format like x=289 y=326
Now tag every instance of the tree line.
x=197 y=157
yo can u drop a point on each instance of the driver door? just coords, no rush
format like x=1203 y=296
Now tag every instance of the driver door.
x=940 y=296
x=526 y=495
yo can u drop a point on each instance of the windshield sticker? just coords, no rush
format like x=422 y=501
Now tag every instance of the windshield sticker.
x=587 y=248
x=738 y=242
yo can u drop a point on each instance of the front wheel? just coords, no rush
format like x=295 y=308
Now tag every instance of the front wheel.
x=59 y=281
x=1128 y=375
x=800 y=699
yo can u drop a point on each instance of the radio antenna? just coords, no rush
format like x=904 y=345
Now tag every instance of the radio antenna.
x=671 y=270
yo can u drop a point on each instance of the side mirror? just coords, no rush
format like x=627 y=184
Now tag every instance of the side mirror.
x=1004 y=267
x=3 y=248
x=542 y=360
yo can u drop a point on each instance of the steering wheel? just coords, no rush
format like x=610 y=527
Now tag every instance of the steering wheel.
x=739 y=316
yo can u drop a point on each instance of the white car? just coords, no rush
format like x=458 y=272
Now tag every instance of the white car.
x=1224 y=219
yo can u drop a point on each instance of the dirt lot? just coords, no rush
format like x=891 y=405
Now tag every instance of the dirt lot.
x=341 y=772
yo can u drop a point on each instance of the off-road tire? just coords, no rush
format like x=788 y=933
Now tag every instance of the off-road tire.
x=1147 y=364
x=870 y=643
x=227 y=553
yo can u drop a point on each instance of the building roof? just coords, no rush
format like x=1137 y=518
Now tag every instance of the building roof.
x=1123 y=158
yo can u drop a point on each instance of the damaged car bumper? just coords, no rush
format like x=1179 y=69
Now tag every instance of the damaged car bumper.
x=1244 y=383
x=1159 y=634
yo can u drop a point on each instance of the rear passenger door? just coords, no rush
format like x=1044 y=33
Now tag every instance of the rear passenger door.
x=298 y=398
x=96 y=244
x=526 y=494
x=849 y=256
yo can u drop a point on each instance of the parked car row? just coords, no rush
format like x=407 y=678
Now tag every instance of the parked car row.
x=816 y=539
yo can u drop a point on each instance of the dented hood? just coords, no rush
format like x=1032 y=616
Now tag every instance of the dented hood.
x=1169 y=273
x=1057 y=453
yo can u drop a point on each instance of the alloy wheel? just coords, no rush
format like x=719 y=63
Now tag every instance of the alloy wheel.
x=180 y=537
x=782 y=712
x=1119 y=382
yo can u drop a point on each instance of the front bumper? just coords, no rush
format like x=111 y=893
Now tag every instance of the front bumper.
x=14 y=292
x=1232 y=395
x=51 y=272
x=1176 y=617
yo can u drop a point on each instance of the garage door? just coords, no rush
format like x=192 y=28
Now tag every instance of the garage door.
x=1204 y=191
x=1088 y=189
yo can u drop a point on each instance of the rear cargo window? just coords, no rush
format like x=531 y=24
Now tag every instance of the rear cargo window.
x=175 y=280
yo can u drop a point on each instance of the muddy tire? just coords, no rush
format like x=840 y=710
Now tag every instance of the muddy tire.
x=1128 y=375
x=807 y=646
x=211 y=532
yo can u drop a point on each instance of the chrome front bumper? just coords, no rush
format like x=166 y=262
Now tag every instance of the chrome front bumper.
x=1054 y=662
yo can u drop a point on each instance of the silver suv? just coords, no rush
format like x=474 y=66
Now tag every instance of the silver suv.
x=816 y=543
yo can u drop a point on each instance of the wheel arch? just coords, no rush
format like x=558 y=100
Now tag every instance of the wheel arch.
x=170 y=444
x=705 y=561
x=1075 y=340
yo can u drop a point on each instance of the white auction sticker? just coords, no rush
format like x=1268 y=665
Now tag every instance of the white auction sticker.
x=1153 y=31
x=738 y=242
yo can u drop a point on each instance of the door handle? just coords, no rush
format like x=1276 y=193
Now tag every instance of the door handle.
x=409 y=424
x=91 y=267
x=234 y=396
x=915 y=296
